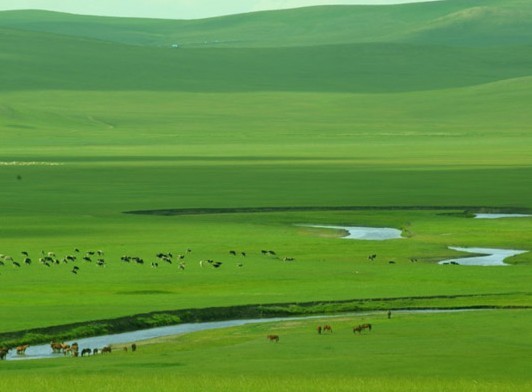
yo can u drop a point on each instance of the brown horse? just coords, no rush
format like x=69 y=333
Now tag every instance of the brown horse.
x=361 y=327
x=56 y=347
x=327 y=328
x=21 y=350
x=273 y=338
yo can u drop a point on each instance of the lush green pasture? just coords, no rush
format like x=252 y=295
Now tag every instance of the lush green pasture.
x=326 y=267
x=466 y=351
x=412 y=130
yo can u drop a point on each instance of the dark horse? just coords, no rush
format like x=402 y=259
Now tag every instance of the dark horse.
x=273 y=338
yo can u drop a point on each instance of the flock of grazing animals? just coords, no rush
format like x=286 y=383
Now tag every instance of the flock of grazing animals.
x=49 y=259
x=328 y=329
x=71 y=350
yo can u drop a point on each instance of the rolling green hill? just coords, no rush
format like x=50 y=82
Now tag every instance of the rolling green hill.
x=39 y=61
x=449 y=22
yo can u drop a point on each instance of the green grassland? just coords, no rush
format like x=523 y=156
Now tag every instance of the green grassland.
x=99 y=116
x=469 y=351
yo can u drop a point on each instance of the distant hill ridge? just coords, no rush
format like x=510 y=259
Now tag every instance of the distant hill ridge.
x=348 y=49
x=447 y=22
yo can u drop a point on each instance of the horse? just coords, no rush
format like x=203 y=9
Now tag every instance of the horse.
x=86 y=351
x=319 y=329
x=21 y=350
x=360 y=328
x=106 y=349
x=327 y=328
x=133 y=347
x=3 y=353
x=56 y=347
x=273 y=338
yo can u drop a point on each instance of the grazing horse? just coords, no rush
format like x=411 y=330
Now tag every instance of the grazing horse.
x=273 y=338
x=106 y=349
x=56 y=347
x=21 y=350
x=361 y=327
x=327 y=328
x=134 y=347
x=86 y=351
x=319 y=329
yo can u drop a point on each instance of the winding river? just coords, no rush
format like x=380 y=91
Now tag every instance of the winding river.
x=366 y=233
x=44 y=351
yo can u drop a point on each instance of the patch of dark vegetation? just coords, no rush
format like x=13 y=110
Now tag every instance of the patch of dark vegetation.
x=174 y=317
x=144 y=292
x=247 y=210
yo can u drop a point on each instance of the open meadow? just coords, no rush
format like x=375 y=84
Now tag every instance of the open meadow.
x=118 y=147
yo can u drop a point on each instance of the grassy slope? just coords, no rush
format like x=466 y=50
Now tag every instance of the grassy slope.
x=487 y=22
x=51 y=62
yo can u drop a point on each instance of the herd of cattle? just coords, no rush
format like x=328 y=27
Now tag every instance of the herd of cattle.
x=50 y=259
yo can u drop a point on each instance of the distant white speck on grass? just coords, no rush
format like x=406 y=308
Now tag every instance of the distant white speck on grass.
x=17 y=163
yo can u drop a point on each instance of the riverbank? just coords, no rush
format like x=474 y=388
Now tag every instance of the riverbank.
x=259 y=311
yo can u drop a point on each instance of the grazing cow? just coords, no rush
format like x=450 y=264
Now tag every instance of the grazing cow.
x=27 y=261
x=21 y=350
x=15 y=264
x=134 y=347
x=24 y=253
x=288 y=259
x=273 y=338
x=125 y=349
x=372 y=257
x=232 y=252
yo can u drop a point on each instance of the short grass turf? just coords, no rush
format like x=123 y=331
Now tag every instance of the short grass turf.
x=464 y=351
